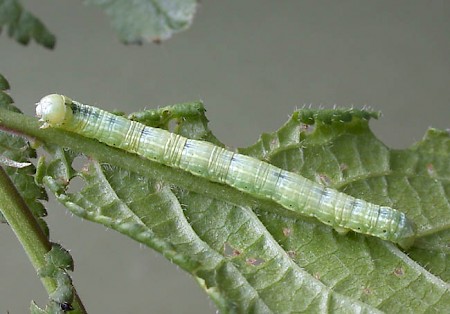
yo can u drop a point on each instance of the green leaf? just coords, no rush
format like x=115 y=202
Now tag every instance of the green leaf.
x=190 y=117
x=58 y=262
x=51 y=308
x=147 y=20
x=23 y=26
x=35 y=309
x=17 y=150
x=252 y=255
x=4 y=85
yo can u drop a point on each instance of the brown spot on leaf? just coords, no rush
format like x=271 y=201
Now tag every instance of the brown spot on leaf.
x=323 y=179
x=229 y=251
x=254 y=261
x=287 y=232
x=291 y=254
x=399 y=272
x=430 y=170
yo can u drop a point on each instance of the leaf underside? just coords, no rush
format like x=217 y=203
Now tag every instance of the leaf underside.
x=147 y=20
x=23 y=26
x=261 y=258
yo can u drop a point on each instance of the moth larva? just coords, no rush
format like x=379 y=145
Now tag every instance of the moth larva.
x=247 y=174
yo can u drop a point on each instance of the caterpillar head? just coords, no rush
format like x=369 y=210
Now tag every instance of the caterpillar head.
x=54 y=110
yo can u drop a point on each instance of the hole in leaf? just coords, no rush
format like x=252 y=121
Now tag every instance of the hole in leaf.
x=80 y=163
x=287 y=232
x=229 y=251
x=430 y=170
x=173 y=124
x=255 y=261
x=306 y=129
x=76 y=185
x=323 y=179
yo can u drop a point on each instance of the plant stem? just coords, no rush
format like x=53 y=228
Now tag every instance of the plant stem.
x=24 y=225
x=28 y=232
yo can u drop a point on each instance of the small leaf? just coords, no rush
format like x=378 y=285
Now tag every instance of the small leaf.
x=189 y=117
x=148 y=20
x=4 y=85
x=22 y=25
x=18 y=151
x=58 y=262
x=59 y=258
x=51 y=308
x=35 y=309
x=5 y=100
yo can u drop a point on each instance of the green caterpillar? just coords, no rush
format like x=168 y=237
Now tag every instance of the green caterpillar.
x=250 y=175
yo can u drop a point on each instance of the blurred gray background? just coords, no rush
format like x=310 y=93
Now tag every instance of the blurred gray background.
x=252 y=63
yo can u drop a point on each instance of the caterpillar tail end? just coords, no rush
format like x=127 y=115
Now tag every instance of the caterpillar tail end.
x=408 y=236
x=407 y=243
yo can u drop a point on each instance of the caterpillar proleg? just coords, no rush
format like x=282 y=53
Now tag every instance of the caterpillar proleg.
x=247 y=174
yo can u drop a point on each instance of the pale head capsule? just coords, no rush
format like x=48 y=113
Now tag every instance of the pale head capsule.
x=53 y=110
